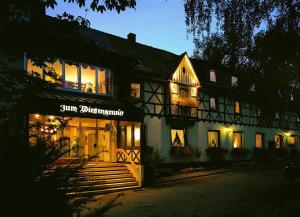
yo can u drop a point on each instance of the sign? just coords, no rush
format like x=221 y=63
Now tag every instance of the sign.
x=83 y=109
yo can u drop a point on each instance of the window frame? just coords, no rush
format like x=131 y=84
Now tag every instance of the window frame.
x=242 y=139
x=240 y=107
x=79 y=65
x=141 y=92
x=262 y=140
x=219 y=138
x=216 y=102
x=234 y=84
x=184 y=136
x=215 y=75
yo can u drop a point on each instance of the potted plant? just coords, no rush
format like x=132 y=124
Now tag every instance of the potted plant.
x=188 y=101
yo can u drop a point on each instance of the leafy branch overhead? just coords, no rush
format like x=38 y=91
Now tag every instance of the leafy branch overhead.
x=98 y=5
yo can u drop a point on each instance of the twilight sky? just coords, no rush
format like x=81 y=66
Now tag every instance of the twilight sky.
x=158 y=23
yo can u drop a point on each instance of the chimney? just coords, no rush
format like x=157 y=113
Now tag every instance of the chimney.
x=131 y=37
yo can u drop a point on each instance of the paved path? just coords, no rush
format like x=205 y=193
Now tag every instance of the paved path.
x=257 y=193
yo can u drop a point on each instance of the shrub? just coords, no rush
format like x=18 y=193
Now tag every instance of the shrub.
x=239 y=152
x=182 y=151
x=216 y=153
x=260 y=153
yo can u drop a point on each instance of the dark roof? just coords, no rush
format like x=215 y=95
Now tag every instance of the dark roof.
x=149 y=60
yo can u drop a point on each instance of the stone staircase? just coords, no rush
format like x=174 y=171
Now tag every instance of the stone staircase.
x=101 y=177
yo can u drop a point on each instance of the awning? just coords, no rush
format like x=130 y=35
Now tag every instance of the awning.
x=68 y=103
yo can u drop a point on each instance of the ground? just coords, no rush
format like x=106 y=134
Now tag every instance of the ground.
x=258 y=191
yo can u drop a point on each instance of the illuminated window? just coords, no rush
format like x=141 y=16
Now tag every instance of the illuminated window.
x=298 y=118
x=53 y=72
x=234 y=81
x=212 y=76
x=71 y=76
x=130 y=134
x=135 y=90
x=212 y=103
x=194 y=91
x=177 y=137
x=258 y=140
x=104 y=81
x=237 y=139
x=292 y=97
x=88 y=78
x=293 y=139
x=278 y=141
x=277 y=116
x=34 y=69
x=213 y=139
x=183 y=92
x=237 y=107
x=174 y=87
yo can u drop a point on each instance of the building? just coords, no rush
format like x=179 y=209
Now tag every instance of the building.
x=134 y=95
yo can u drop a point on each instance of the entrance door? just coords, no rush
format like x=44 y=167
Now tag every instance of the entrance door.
x=97 y=144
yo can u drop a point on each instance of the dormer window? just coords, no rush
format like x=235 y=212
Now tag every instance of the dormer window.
x=212 y=76
x=135 y=90
x=234 y=81
x=252 y=87
x=277 y=116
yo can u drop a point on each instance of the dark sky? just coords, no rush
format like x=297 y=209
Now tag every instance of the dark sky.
x=158 y=23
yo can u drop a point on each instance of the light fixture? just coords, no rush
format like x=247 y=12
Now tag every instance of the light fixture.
x=227 y=130
x=36 y=115
x=51 y=117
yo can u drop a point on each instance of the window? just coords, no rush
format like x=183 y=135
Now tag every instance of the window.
x=135 y=90
x=259 y=140
x=213 y=103
x=212 y=76
x=237 y=107
x=277 y=141
x=213 y=139
x=183 y=92
x=237 y=139
x=293 y=142
x=84 y=78
x=130 y=134
x=53 y=71
x=88 y=78
x=258 y=112
x=178 y=137
x=234 y=81
x=71 y=76
x=277 y=116
x=298 y=118
x=194 y=91
x=104 y=81
x=252 y=87
x=292 y=97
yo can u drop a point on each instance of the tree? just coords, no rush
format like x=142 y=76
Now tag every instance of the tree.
x=25 y=28
x=235 y=23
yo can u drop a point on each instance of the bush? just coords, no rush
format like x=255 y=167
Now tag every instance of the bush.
x=182 y=151
x=151 y=160
x=239 y=152
x=260 y=153
x=216 y=153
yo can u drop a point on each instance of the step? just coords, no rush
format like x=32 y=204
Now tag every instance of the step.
x=97 y=169
x=102 y=173
x=99 y=178
x=102 y=191
x=98 y=182
x=103 y=165
x=101 y=186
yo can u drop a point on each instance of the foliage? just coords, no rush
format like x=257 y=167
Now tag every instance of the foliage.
x=239 y=152
x=182 y=151
x=216 y=153
x=188 y=101
x=260 y=153
x=151 y=159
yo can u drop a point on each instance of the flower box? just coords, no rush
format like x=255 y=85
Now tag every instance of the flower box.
x=239 y=152
x=216 y=153
x=182 y=151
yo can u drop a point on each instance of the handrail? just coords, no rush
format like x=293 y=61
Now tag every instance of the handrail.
x=133 y=167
